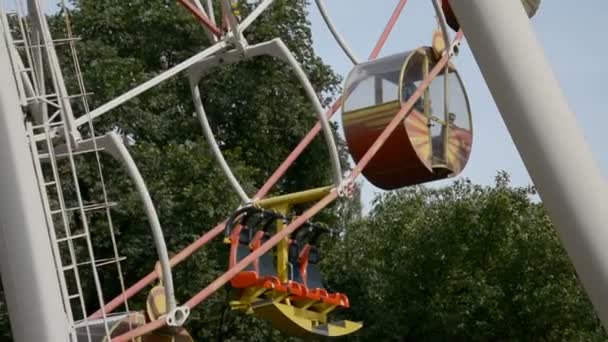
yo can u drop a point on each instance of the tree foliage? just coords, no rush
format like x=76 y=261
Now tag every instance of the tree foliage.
x=464 y=262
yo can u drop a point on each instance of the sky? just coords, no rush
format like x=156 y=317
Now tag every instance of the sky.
x=572 y=36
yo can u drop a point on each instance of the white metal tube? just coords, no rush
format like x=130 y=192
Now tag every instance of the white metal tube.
x=286 y=55
x=232 y=21
x=546 y=133
x=114 y=146
x=215 y=149
x=200 y=69
x=255 y=14
x=200 y=7
x=332 y=28
x=211 y=11
x=148 y=84
x=28 y=272
x=278 y=49
x=208 y=33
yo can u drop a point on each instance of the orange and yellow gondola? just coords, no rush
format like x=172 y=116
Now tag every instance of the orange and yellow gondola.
x=435 y=139
x=284 y=286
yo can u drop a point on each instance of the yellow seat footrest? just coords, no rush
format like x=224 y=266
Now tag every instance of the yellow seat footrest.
x=301 y=322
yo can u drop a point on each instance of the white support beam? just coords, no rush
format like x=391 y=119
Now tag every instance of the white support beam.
x=149 y=84
x=28 y=272
x=546 y=134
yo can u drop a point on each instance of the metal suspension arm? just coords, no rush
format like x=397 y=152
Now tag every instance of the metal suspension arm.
x=113 y=145
x=278 y=49
x=209 y=21
x=283 y=52
x=345 y=47
x=215 y=149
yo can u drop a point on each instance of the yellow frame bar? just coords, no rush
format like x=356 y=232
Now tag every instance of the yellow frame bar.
x=294 y=198
x=282 y=204
x=282 y=249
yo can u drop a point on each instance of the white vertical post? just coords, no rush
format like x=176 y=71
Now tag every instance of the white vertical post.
x=546 y=133
x=29 y=277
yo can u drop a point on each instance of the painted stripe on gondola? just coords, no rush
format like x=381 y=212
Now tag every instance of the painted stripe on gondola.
x=379 y=123
x=372 y=109
x=458 y=150
x=418 y=125
x=382 y=121
x=371 y=112
x=416 y=114
x=462 y=157
x=464 y=149
x=423 y=137
x=420 y=145
x=417 y=130
x=457 y=159
x=417 y=120
x=386 y=115
x=377 y=118
x=459 y=154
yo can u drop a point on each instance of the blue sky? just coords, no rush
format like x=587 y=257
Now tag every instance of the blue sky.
x=575 y=41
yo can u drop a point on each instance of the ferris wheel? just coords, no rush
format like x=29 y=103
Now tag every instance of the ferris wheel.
x=407 y=120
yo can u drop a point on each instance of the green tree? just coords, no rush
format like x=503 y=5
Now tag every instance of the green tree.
x=464 y=262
